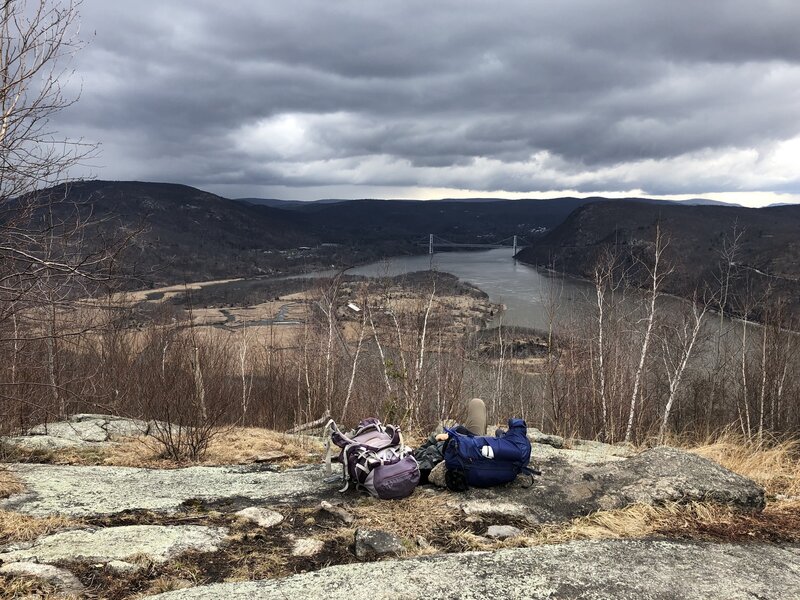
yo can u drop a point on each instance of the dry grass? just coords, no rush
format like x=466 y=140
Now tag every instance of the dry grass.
x=271 y=563
x=232 y=445
x=132 y=452
x=422 y=516
x=635 y=521
x=177 y=575
x=29 y=588
x=242 y=444
x=417 y=515
x=774 y=466
x=9 y=484
x=779 y=522
x=164 y=584
x=16 y=527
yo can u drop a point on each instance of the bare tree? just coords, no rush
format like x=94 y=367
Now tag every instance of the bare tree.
x=676 y=356
x=37 y=41
x=605 y=282
x=727 y=271
x=46 y=258
x=416 y=394
x=382 y=354
x=656 y=274
x=361 y=329
x=500 y=371
x=247 y=382
x=328 y=304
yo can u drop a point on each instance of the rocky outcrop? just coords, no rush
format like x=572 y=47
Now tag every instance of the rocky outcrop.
x=263 y=517
x=156 y=543
x=307 y=547
x=503 y=532
x=568 y=488
x=591 y=570
x=602 y=449
x=537 y=437
x=373 y=543
x=89 y=491
x=78 y=431
x=572 y=484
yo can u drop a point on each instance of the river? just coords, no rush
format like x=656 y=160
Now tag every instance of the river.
x=523 y=290
x=527 y=293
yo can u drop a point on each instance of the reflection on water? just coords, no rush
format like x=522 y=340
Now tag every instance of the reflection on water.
x=523 y=290
x=530 y=295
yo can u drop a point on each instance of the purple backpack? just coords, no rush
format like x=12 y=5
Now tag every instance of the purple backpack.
x=375 y=459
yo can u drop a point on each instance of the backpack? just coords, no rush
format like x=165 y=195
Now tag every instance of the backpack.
x=374 y=459
x=484 y=461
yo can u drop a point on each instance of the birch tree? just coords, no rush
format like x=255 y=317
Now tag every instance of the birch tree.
x=416 y=393
x=361 y=330
x=605 y=282
x=655 y=275
x=676 y=358
x=45 y=260
x=247 y=382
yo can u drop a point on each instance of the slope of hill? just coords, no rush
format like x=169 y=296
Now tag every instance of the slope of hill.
x=289 y=204
x=184 y=234
x=767 y=255
x=457 y=220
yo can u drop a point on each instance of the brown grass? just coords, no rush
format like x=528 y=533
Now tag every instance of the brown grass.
x=29 y=588
x=270 y=563
x=233 y=445
x=177 y=575
x=9 y=483
x=775 y=466
x=240 y=444
x=16 y=527
x=779 y=522
x=417 y=515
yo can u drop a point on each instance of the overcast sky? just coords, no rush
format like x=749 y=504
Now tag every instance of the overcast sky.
x=388 y=98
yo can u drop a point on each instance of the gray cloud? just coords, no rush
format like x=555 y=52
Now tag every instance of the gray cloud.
x=682 y=97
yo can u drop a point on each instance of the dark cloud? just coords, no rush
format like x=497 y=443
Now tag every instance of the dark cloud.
x=664 y=97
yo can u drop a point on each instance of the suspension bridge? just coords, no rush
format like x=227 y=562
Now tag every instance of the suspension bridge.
x=513 y=241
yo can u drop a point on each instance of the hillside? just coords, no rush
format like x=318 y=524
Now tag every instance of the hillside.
x=181 y=233
x=456 y=220
x=768 y=254
x=185 y=234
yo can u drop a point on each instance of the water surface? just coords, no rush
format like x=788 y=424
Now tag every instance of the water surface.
x=523 y=290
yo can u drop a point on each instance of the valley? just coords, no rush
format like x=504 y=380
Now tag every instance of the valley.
x=366 y=300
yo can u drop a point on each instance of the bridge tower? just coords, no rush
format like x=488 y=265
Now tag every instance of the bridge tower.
x=430 y=244
x=515 y=245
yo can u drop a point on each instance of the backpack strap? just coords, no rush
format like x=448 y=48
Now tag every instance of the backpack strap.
x=530 y=473
x=335 y=436
x=362 y=456
x=345 y=471
x=367 y=426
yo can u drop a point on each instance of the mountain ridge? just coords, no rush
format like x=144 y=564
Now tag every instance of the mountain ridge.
x=767 y=257
x=188 y=234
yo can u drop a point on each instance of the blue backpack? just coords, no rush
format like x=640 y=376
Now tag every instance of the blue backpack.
x=484 y=461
